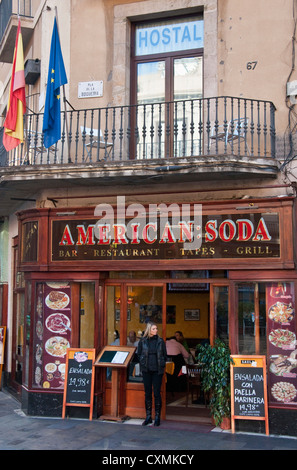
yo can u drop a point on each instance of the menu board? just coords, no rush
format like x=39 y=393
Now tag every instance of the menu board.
x=115 y=356
x=79 y=377
x=79 y=380
x=249 y=388
x=282 y=348
x=52 y=333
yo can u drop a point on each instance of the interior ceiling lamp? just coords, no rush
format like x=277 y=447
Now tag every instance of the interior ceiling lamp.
x=129 y=300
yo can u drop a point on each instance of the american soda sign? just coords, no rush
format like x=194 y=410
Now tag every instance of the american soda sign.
x=188 y=234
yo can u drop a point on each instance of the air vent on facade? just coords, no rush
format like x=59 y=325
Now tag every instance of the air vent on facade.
x=32 y=71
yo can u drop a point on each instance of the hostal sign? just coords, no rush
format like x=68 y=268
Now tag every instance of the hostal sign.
x=221 y=236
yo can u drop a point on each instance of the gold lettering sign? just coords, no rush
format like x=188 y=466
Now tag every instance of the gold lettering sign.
x=223 y=236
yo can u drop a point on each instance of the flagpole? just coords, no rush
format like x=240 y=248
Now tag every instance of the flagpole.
x=64 y=98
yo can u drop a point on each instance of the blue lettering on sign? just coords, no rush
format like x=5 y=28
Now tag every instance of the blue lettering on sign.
x=155 y=37
x=170 y=37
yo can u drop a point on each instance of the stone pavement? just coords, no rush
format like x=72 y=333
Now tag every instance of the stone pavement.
x=21 y=432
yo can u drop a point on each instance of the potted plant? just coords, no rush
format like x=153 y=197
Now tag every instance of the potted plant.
x=215 y=379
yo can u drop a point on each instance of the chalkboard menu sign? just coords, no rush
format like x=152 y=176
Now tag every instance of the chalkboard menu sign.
x=249 y=389
x=79 y=379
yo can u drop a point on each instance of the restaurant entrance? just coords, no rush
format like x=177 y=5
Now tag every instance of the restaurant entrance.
x=195 y=303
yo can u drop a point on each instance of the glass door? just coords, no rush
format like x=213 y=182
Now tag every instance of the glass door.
x=128 y=308
x=219 y=313
x=187 y=79
x=150 y=116
x=18 y=329
x=251 y=318
x=87 y=315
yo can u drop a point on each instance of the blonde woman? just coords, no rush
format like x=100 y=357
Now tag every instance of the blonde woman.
x=151 y=352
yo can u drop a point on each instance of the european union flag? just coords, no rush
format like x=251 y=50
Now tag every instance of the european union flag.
x=56 y=78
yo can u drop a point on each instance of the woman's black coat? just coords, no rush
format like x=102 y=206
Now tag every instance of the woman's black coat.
x=143 y=350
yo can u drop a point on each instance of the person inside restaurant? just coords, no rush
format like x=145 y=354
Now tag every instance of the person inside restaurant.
x=116 y=341
x=177 y=354
x=180 y=338
x=132 y=339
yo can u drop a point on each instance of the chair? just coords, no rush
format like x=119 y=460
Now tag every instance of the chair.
x=94 y=142
x=236 y=130
x=193 y=380
x=35 y=148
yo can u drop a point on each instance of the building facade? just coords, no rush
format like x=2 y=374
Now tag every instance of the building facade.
x=170 y=195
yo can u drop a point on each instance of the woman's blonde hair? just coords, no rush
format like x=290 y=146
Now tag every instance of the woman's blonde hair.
x=148 y=329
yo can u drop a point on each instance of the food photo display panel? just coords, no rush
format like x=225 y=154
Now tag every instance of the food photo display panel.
x=282 y=349
x=53 y=334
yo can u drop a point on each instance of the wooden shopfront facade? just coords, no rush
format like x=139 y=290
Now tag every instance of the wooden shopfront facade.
x=87 y=283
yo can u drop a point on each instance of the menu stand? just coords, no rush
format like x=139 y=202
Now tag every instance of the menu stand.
x=116 y=358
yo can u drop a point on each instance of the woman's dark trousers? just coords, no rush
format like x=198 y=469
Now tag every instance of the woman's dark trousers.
x=152 y=381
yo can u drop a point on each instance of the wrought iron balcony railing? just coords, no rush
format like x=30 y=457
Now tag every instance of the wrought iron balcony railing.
x=196 y=128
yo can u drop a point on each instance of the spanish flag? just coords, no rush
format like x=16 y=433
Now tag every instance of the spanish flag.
x=16 y=108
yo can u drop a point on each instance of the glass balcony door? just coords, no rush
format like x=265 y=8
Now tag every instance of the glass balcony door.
x=187 y=85
x=166 y=76
x=150 y=118
x=164 y=123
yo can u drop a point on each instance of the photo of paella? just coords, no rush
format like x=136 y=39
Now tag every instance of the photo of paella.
x=284 y=392
x=281 y=313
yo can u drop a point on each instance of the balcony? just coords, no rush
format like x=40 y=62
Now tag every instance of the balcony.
x=191 y=140
x=234 y=128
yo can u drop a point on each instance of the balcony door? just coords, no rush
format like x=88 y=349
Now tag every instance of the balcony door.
x=166 y=87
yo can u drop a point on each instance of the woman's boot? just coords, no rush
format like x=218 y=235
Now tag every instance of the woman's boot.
x=148 y=409
x=157 y=411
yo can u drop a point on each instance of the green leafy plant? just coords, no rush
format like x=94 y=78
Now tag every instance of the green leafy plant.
x=215 y=378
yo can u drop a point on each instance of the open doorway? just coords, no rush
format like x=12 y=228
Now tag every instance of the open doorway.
x=189 y=305
x=202 y=311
